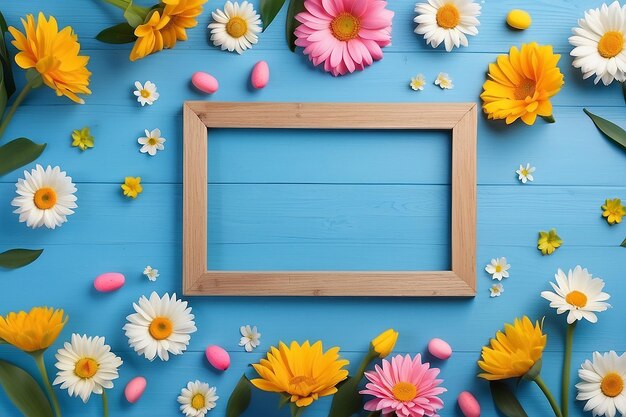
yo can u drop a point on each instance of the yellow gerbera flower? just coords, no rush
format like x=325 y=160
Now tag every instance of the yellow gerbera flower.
x=305 y=372
x=132 y=187
x=548 y=242
x=32 y=331
x=182 y=14
x=613 y=210
x=54 y=55
x=82 y=138
x=149 y=36
x=511 y=354
x=522 y=83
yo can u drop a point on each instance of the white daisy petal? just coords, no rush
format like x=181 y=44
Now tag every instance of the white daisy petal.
x=447 y=22
x=235 y=27
x=197 y=398
x=602 y=385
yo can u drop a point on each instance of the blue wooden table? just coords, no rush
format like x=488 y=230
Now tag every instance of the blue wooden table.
x=321 y=200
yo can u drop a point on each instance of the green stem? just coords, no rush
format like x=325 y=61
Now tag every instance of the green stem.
x=105 y=404
x=544 y=388
x=122 y=4
x=371 y=355
x=38 y=356
x=567 y=365
x=29 y=86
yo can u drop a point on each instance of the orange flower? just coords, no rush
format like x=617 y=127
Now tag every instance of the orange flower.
x=149 y=36
x=182 y=14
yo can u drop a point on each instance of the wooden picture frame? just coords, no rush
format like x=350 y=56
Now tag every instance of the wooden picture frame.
x=460 y=118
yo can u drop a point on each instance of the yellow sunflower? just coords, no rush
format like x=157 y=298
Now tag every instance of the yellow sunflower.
x=54 y=55
x=32 y=331
x=511 y=354
x=182 y=14
x=522 y=83
x=613 y=210
x=149 y=35
x=304 y=373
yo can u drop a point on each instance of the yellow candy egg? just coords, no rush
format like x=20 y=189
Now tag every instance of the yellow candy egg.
x=518 y=19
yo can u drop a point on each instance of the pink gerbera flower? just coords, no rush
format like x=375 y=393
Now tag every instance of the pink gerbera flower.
x=344 y=35
x=406 y=387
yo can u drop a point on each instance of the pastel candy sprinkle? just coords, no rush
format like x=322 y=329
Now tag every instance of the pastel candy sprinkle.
x=260 y=75
x=135 y=388
x=518 y=19
x=109 y=281
x=439 y=349
x=468 y=404
x=205 y=82
x=218 y=357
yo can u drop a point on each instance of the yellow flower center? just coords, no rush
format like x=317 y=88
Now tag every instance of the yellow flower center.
x=525 y=172
x=45 y=198
x=145 y=93
x=448 y=16
x=197 y=401
x=86 y=368
x=612 y=384
x=526 y=88
x=498 y=268
x=576 y=298
x=161 y=328
x=236 y=27
x=611 y=44
x=345 y=27
x=152 y=141
x=404 y=391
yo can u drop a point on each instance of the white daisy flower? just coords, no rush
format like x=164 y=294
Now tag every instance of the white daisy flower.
x=44 y=197
x=444 y=81
x=151 y=273
x=236 y=27
x=602 y=384
x=418 y=82
x=525 y=174
x=146 y=93
x=86 y=366
x=250 y=337
x=498 y=268
x=447 y=21
x=160 y=326
x=496 y=290
x=579 y=294
x=152 y=142
x=599 y=44
x=197 y=399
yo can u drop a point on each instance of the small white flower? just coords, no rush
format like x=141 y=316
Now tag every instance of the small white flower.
x=444 y=81
x=448 y=21
x=250 y=337
x=151 y=273
x=496 y=290
x=197 y=399
x=578 y=293
x=159 y=326
x=498 y=268
x=602 y=384
x=418 y=82
x=236 y=27
x=152 y=142
x=147 y=93
x=86 y=366
x=525 y=174
x=44 y=197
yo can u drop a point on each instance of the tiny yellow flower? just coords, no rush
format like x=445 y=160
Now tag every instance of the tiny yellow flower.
x=132 y=186
x=613 y=210
x=384 y=343
x=82 y=138
x=548 y=242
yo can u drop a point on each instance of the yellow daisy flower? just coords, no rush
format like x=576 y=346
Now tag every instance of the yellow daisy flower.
x=32 y=331
x=182 y=14
x=82 y=138
x=132 y=187
x=613 y=210
x=548 y=242
x=149 y=35
x=304 y=372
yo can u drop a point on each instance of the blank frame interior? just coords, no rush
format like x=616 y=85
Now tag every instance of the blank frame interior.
x=459 y=118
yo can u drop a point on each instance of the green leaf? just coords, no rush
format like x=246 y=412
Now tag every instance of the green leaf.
x=624 y=90
x=18 y=153
x=135 y=15
x=505 y=400
x=623 y=244
x=346 y=400
x=17 y=258
x=240 y=398
x=4 y=97
x=6 y=72
x=295 y=7
x=122 y=33
x=269 y=10
x=23 y=391
x=611 y=130
x=533 y=372
x=549 y=119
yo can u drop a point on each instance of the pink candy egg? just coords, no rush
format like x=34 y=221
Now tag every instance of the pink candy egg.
x=439 y=349
x=134 y=389
x=218 y=357
x=260 y=75
x=205 y=82
x=468 y=404
x=109 y=281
